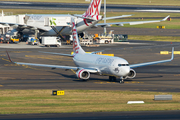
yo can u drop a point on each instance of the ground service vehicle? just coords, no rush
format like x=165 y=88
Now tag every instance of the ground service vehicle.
x=14 y=39
x=51 y=41
x=104 y=38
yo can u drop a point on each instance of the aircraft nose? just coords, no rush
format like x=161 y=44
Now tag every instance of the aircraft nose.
x=126 y=70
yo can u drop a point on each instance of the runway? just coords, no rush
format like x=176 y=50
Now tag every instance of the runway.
x=162 y=77
x=82 y=7
x=136 y=115
x=136 y=31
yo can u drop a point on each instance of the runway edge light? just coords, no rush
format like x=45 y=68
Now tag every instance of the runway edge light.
x=57 y=92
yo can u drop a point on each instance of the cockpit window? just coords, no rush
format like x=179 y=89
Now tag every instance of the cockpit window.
x=123 y=65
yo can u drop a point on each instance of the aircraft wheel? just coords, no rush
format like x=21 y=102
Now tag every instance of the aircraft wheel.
x=85 y=79
x=114 y=78
x=106 y=42
x=110 y=78
x=121 y=82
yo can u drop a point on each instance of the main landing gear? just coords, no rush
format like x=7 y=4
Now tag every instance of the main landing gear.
x=112 y=78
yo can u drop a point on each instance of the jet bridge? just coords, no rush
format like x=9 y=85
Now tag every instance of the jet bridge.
x=58 y=24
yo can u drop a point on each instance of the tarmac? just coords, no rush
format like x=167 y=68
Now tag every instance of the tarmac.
x=136 y=31
x=136 y=115
x=161 y=77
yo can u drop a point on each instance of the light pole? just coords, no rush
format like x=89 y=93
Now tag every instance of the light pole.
x=105 y=16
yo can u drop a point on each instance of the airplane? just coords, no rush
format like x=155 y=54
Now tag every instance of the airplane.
x=91 y=63
x=36 y=23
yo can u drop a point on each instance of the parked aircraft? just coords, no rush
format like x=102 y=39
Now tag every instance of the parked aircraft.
x=87 y=20
x=88 y=63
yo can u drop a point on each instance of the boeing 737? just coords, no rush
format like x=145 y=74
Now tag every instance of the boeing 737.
x=87 y=20
x=88 y=63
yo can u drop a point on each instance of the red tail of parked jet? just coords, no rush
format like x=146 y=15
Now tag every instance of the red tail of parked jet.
x=94 y=8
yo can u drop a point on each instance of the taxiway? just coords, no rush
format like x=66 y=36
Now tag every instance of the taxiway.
x=162 y=77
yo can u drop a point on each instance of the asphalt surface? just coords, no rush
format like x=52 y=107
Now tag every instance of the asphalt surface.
x=76 y=6
x=136 y=31
x=137 y=115
x=161 y=78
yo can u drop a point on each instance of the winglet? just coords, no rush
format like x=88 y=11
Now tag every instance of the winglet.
x=166 y=18
x=172 y=56
x=8 y=56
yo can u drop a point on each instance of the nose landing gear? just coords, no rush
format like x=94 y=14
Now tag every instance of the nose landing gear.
x=122 y=80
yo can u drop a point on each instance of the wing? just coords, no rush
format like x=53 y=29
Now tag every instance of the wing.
x=130 y=23
x=46 y=65
x=91 y=70
x=23 y=26
x=69 y=55
x=152 y=63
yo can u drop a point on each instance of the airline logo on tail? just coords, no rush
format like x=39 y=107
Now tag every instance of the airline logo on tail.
x=94 y=8
x=93 y=11
x=76 y=44
x=75 y=39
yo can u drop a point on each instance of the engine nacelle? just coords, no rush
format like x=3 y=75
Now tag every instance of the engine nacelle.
x=83 y=74
x=131 y=74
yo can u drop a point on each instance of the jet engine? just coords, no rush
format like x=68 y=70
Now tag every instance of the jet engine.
x=131 y=74
x=83 y=74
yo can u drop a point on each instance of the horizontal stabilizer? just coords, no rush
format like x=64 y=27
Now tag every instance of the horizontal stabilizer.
x=116 y=17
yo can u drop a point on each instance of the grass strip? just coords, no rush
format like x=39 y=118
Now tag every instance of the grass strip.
x=154 y=38
x=41 y=101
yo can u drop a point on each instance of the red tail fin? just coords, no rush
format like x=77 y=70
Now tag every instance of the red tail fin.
x=94 y=8
x=76 y=44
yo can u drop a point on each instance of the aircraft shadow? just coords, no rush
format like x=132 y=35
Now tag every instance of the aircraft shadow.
x=74 y=78
x=64 y=75
x=94 y=79
x=158 y=76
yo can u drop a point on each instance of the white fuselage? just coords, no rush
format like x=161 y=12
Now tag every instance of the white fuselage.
x=105 y=65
